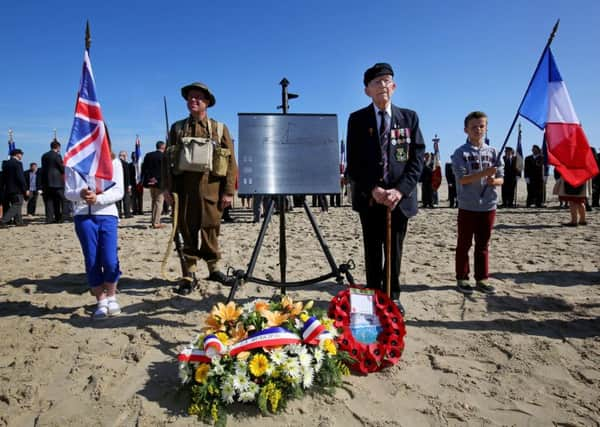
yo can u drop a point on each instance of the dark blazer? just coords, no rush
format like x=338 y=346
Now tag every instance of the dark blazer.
x=53 y=170
x=152 y=168
x=13 y=177
x=365 y=165
x=126 y=175
x=38 y=175
x=510 y=170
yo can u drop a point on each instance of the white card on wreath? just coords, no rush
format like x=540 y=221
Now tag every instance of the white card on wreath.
x=361 y=301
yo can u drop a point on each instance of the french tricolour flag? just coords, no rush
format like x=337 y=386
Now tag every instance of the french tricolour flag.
x=548 y=106
x=88 y=151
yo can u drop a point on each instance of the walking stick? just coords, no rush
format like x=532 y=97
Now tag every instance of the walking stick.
x=388 y=252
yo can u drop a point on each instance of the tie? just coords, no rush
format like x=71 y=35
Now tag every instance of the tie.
x=384 y=141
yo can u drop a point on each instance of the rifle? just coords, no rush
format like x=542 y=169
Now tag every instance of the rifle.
x=176 y=235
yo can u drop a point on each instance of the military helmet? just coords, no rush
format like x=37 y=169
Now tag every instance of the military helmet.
x=199 y=86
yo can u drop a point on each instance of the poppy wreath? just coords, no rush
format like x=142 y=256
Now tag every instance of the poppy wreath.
x=388 y=348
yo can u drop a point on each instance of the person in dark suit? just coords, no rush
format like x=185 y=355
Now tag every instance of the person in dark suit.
x=426 y=182
x=151 y=177
x=534 y=177
x=511 y=172
x=32 y=181
x=451 y=180
x=53 y=183
x=385 y=160
x=13 y=187
x=124 y=205
x=137 y=190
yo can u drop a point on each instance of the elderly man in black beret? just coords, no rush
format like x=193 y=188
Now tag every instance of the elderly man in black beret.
x=203 y=194
x=385 y=159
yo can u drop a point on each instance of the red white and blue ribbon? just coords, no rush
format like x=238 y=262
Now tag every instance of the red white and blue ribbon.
x=270 y=337
x=314 y=331
x=190 y=354
x=213 y=346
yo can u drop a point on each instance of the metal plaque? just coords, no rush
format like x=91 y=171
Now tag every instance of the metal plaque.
x=282 y=154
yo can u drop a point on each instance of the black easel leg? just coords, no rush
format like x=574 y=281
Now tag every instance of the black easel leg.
x=326 y=251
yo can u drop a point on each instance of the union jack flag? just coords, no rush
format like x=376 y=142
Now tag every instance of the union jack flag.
x=88 y=150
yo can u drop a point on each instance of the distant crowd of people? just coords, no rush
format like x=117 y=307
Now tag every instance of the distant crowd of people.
x=20 y=189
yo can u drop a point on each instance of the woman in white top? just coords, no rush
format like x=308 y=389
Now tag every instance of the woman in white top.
x=96 y=222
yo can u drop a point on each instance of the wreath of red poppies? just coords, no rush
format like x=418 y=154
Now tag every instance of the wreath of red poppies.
x=387 y=350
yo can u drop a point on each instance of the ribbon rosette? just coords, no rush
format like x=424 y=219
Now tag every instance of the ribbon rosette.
x=314 y=331
x=213 y=347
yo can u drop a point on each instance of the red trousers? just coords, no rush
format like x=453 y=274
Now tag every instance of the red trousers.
x=471 y=225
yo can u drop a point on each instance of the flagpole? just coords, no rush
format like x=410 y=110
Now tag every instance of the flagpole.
x=516 y=190
x=88 y=37
x=512 y=126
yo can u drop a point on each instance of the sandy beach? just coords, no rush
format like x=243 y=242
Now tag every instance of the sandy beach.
x=527 y=356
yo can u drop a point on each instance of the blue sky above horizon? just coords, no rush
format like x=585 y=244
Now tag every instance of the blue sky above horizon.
x=450 y=58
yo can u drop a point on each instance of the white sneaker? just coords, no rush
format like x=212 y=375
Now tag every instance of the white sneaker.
x=113 y=308
x=101 y=311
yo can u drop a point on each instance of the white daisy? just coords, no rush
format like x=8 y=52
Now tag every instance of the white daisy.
x=217 y=368
x=318 y=354
x=292 y=368
x=295 y=349
x=241 y=367
x=241 y=381
x=250 y=394
x=307 y=379
x=227 y=391
x=305 y=359
x=278 y=356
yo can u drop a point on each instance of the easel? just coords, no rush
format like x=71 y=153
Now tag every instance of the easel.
x=240 y=276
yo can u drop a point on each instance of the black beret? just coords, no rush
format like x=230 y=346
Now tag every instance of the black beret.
x=203 y=88
x=379 y=69
x=16 y=151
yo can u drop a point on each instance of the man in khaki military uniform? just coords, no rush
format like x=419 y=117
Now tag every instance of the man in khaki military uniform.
x=202 y=196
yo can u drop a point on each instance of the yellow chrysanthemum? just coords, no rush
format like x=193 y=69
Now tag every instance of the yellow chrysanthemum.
x=202 y=373
x=222 y=336
x=329 y=347
x=259 y=365
x=304 y=316
x=274 y=318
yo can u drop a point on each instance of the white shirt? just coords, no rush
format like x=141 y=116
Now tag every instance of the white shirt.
x=105 y=202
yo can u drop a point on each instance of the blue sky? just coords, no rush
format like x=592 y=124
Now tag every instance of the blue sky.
x=450 y=57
